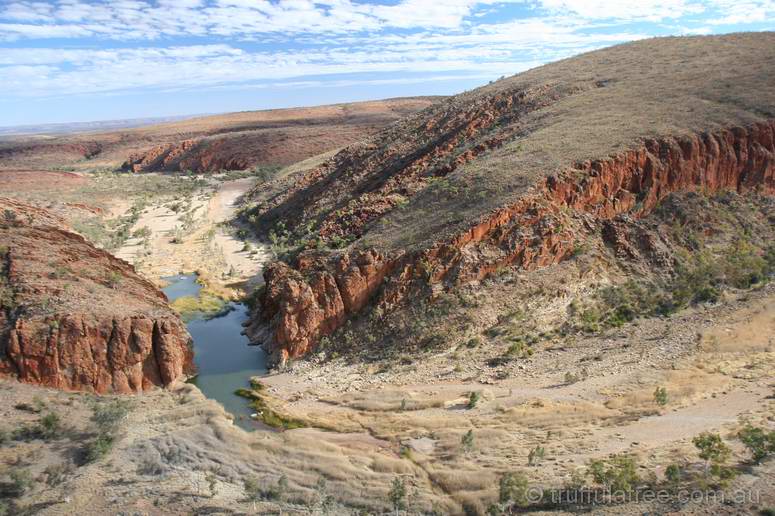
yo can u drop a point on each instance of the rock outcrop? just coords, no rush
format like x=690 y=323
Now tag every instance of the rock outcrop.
x=75 y=317
x=303 y=304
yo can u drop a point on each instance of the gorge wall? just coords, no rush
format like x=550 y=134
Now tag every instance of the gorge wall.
x=75 y=317
x=303 y=303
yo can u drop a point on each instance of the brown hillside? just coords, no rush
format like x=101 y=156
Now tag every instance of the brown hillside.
x=233 y=141
x=520 y=173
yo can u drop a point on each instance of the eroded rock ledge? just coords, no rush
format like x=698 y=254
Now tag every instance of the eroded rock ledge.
x=202 y=155
x=302 y=304
x=75 y=317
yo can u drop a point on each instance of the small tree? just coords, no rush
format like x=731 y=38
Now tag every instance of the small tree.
x=660 y=396
x=473 y=399
x=712 y=448
x=715 y=453
x=397 y=494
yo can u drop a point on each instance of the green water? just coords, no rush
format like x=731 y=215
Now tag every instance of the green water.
x=222 y=355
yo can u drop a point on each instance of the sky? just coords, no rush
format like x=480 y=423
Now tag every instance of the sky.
x=85 y=60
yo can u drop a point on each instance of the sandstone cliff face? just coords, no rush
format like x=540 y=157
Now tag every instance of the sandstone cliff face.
x=303 y=304
x=77 y=352
x=74 y=317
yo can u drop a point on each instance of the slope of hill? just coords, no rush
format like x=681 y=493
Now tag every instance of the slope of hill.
x=523 y=173
x=233 y=141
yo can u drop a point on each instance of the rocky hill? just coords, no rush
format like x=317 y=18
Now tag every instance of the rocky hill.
x=573 y=158
x=234 y=141
x=77 y=318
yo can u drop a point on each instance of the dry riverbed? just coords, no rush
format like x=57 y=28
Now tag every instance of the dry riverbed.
x=193 y=234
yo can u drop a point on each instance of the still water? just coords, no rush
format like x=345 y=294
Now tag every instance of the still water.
x=222 y=355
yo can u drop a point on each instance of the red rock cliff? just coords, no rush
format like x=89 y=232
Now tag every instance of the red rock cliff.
x=75 y=317
x=301 y=305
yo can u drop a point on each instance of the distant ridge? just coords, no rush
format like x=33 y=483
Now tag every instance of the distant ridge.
x=79 y=127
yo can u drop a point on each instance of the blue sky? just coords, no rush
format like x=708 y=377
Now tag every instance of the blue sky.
x=83 y=60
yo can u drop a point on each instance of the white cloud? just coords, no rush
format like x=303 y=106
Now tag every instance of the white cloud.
x=320 y=37
x=649 y=10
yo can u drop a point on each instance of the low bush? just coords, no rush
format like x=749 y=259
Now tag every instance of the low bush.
x=467 y=441
x=698 y=278
x=98 y=447
x=48 y=427
x=617 y=474
x=21 y=483
x=536 y=456
x=108 y=416
x=255 y=491
x=513 y=490
x=397 y=494
x=57 y=473
x=660 y=396
x=758 y=441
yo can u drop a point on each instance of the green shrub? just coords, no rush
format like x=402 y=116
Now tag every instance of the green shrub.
x=212 y=483
x=513 y=490
x=47 y=427
x=473 y=399
x=57 y=473
x=660 y=396
x=571 y=378
x=255 y=491
x=712 y=448
x=618 y=474
x=98 y=447
x=142 y=233
x=253 y=488
x=397 y=494
x=467 y=441
x=699 y=278
x=50 y=425
x=535 y=456
x=21 y=483
x=673 y=474
x=108 y=416
x=759 y=442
